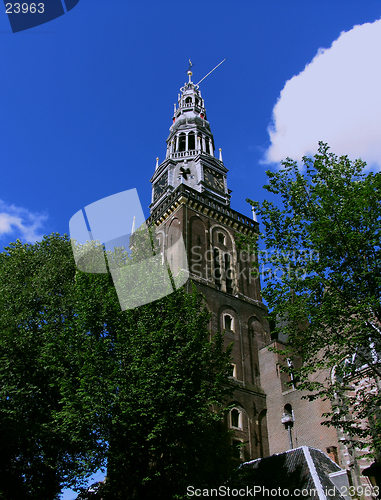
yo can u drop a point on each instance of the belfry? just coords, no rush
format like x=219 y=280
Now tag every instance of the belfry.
x=190 y=196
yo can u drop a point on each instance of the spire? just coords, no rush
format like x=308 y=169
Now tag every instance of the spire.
x=190 y=131
x=189 y=159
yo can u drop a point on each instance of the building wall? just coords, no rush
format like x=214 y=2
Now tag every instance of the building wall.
x=307 y=429
x=261 y=388
x=238 y=299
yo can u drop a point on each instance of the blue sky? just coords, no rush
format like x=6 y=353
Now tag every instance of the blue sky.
x=86 y=100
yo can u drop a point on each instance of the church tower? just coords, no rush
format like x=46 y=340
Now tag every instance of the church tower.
x=190 y=196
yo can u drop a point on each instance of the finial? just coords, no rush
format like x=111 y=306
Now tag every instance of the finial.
x=254 y=214
x=157 y=163
x=189 y=72
x=133 y=225
x=220 y=158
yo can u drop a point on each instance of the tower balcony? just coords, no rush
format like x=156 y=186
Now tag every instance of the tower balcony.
x=184 y=154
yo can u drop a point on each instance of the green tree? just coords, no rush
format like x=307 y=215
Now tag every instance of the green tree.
x=322 y=275
x=170 y=379
x=83 y=382
x=48 y=439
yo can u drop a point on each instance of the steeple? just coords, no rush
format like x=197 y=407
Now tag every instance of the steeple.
x=190 y=149
x=190 y=131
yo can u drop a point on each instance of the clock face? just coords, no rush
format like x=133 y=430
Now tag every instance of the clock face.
x=160 y=187
x=214 y=179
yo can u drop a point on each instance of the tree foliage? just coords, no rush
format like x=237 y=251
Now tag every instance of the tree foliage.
x=322 y=275
x=44 y=443
x=84 y=383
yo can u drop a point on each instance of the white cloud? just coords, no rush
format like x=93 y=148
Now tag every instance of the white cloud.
x=335 y=99
x=19 y=222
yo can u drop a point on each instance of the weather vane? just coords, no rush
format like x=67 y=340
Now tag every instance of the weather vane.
x=190 y=66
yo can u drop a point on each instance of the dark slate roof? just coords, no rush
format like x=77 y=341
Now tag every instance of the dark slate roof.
x=303 y=468
x=323 y=466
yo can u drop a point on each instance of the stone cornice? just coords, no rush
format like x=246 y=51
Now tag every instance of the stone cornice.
x=184 y=195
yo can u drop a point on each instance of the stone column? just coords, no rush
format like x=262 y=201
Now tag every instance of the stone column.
x=177 y=143
x=186 y=141
x=203 y=144
x=211 y=147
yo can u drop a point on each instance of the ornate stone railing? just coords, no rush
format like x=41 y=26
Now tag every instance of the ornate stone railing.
x=181 y=154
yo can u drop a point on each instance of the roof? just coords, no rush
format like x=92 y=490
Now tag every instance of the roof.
x=300 y=469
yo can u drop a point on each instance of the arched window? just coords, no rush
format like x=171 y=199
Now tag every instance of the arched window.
x=288 y=409
x=237 y=449
x=191 y=141
x=236 y=418
x=188 y=100
x=228 y=322
x=182 y=142
x=233 y=371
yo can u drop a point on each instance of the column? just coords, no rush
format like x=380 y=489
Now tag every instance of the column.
x=203 y=144
x=177 y=143
x=186 y=141
x=211 y=147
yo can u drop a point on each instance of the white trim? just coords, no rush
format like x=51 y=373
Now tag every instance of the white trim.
x=234 y=366
x=232 y=321
x=314 y=474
